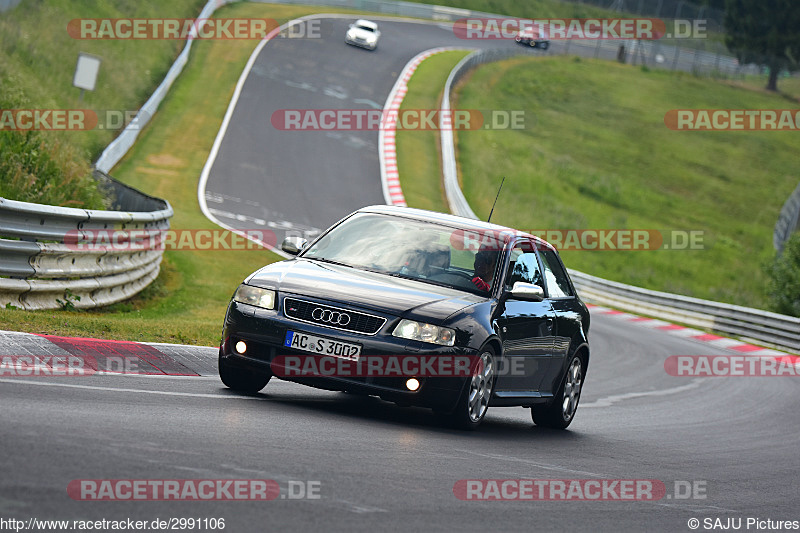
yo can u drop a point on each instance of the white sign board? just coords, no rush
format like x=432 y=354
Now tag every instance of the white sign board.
x=86 y=71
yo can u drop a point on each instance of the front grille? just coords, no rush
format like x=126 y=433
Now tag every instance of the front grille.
x=332 y=317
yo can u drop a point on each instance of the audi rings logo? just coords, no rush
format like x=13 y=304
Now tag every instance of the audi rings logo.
x=331 y=317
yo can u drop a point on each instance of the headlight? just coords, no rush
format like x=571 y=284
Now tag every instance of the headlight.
x=417 y=331
x=247 y=294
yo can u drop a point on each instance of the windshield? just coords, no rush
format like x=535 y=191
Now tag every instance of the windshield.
x=365 y=28
x=411 y=249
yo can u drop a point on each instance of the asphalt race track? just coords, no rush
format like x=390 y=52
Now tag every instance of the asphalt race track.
x=371 y=465
x=304 y=181
x=376 y=466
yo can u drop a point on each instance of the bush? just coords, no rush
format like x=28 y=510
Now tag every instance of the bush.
x=41 y=167
x=784 y=274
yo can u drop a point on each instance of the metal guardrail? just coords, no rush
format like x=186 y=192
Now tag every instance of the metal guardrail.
x=753 y=324
x=44 y=256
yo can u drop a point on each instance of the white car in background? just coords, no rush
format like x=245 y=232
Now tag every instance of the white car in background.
x=363 y=33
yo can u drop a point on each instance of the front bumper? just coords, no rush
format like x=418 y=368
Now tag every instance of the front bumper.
x=264 y=332
x=361 y=44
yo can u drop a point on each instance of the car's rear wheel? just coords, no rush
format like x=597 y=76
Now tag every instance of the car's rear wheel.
x=240 y=379
x=474 y=400
x=532 y=44
x=560 y=412
x=544 y=45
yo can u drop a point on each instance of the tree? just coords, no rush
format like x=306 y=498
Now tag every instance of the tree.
x=784 y=278
x=766 y=32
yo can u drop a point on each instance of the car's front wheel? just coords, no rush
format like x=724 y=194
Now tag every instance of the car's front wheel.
x=544 y=46
x=474 y=400
x=560 y=412
x=241 y=380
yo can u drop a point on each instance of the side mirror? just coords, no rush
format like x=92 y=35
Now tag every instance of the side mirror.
x=527 y=291
x=293 y=245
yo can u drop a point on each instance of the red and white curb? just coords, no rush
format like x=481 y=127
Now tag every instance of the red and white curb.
x=104 y=356
x=688 y=333
x=387 y=150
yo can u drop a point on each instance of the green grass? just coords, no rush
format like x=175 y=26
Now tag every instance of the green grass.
x=186 y=304
x=574 y=141
x=596 y=154
x=546 y=9
x=38 y=57
x=37 y=62
x=418 y=157
x=788 y=86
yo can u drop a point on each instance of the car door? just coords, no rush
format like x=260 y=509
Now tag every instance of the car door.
x=568 y=318
x=525 y=328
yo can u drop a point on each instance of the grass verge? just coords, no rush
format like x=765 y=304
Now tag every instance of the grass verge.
x=418 y=157
x=595 y=153
x=37 y=62
x=186 y=304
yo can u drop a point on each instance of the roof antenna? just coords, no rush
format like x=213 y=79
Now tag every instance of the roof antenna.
x=495 y=199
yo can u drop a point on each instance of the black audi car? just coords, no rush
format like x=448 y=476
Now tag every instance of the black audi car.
x=418 y=308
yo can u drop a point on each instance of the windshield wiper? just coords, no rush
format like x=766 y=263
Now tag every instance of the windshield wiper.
x=422 y=280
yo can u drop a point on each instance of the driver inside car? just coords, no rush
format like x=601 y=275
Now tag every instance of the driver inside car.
x=485 y=263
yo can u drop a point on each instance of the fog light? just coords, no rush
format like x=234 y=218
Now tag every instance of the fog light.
x=241 y=347
x=412 y=384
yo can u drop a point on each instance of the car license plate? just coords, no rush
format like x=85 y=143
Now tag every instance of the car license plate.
x=321 y=345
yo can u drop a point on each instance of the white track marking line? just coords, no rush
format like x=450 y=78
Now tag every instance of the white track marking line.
x=212 y=156
x=386 y=137
x=141 y=391
x=609 y=400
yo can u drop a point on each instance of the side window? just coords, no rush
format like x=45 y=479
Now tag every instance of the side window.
x=557 y=281
x=523 y=266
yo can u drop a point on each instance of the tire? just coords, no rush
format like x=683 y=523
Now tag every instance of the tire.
x=544 y=46
x=561 y=411
x=474 y=400
x=241 y=380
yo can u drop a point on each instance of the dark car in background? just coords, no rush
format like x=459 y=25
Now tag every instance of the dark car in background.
x=534 y=38
x=491 y=311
